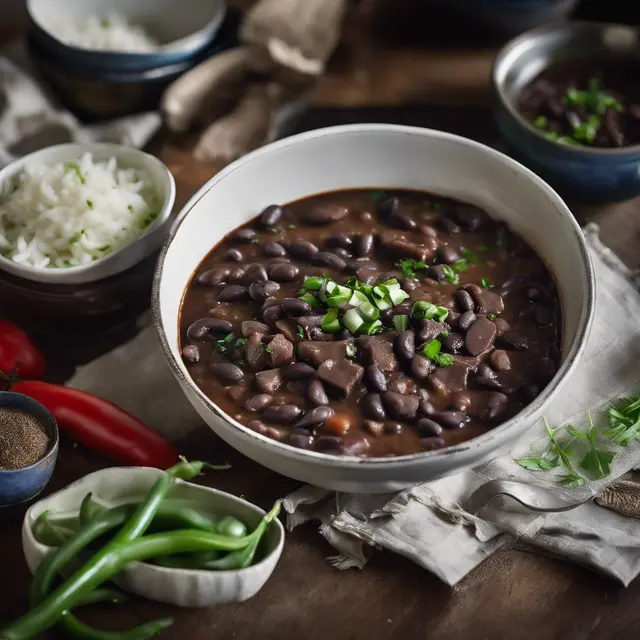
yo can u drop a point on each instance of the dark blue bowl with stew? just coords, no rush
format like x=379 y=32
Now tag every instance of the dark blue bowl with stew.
x=578 y=172
x=19 y=486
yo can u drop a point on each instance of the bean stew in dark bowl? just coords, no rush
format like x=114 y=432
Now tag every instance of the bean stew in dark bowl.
x=371 y=323
x=565 y=102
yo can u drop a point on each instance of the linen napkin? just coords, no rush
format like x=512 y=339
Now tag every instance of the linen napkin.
x=428 y=523
x=30 y=119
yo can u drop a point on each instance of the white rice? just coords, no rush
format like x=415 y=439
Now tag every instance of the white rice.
x=72 y=214
x=111 y=32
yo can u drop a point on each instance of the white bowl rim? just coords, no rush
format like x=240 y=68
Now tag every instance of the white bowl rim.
x=62 y=275
x=573 y=356
x=190 y=43
x=29 y=519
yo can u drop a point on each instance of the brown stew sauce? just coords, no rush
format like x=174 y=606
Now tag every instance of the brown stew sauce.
x=250 y=351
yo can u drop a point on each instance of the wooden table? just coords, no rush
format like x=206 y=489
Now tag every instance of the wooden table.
x=512 y=595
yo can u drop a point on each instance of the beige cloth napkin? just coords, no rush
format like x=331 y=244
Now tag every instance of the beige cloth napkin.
x=427 y=522
x=30 y=119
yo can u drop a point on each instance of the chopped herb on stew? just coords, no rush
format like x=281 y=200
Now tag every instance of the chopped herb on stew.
x=450 y=274
x=486 y=283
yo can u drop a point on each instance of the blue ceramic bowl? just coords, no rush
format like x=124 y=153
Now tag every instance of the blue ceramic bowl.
x=20 y=485
x=510 y=17
x=582 y=173
x=184 y=29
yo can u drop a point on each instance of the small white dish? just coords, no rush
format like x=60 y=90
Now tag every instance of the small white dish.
x=118 y=261
x=183 y=588
x=376 y=156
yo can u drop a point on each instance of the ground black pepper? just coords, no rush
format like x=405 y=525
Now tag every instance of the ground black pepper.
x=23 y=439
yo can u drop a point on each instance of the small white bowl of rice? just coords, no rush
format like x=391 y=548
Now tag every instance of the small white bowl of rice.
x=79 y=213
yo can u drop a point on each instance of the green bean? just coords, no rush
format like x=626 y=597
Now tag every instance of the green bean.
x=90 y=509
x=103 y=595
x=232 y=527
x=49 y=609
x=52 y=532
x=186 y=561
x=77 y=629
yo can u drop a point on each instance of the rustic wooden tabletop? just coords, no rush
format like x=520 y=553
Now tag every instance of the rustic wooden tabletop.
x=374 y=76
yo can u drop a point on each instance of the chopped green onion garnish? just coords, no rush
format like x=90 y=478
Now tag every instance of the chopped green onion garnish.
x=492 y=316
x=424 y=310
x=330 y=322
x=432 y=349
x=460 y=265
x=291 y=226
x=351 y=350
x=443 y=359
x=471 y=257
x=313 y=284
x=486 y=283
x=409 y=267
x=401 y=322
x=373 y=328
x=310 y=299
x=300 y=331
x=450 y=274
x=540 y=122
x=353 y=320
x=368 y=312
x=398 y=296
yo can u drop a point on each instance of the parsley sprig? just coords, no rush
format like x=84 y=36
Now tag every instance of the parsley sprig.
x=624 y=420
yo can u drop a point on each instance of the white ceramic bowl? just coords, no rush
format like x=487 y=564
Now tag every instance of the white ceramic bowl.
x=376 y=156
x=183 y=588
x=120 y=260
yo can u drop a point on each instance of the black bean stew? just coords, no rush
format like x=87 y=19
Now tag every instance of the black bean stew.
x=586 y=102
x=370 y=323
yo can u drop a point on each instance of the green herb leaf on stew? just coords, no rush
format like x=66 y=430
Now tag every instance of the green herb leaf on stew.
x=460 y=265
x=291 y=227
x=486 y=283
x=450 y=274
x=377 y=196
x=443 y=359
x=432 y=349
x=540 y=122
x=470 y=257
x=300 y=331
x=409 y=267
x=268 y=349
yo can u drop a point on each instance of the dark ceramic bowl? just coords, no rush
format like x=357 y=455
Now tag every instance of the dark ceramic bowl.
x=582 y=173
x=184 y=29
x=21 y=485
x=98 y=94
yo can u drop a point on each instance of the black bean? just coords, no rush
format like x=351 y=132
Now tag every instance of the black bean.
x=497 y=405
x=282 y=413
x=388 y=207
x=283 y=272
x=453 y=343
x=371 y=406
x=428 y=231
x=500 y=360
x=232 y=255
x=328 y=444
x=258 y=402
x=437 y=272
x=234 y=293
x=317 y=394
x=399 y=406
x=294 y=307
x=270 y=216
x=480 y=336
x=274 y=250
x=303 y=249
x=375 y=379
x=529 y=392
x=271 y=314
x=428 y=428
x=314 y=418
x=466 y=320
x=363 y=246
x=421 y=367
x=409 y=284
x=212 y=277
x=515 y=341
x=342 y=253
x=485 y=371
x=191 y=354
x=300 y=439
x=227 y=373
x=242 y=235
x=393 y=428
x=430 y=444
x=340 y=240
x=449 y=225
x=255 y=273
x=405 y=345
x=465 y=301
x=355 y=447
x=451 y=419
x=493 y=383
x=261 y=291
x=469 y=216
x=249 y=327
x=278 y=260
x=373 y=427
x=366 y=276
x=427 y=409
x=298 y=371
x=236 y=275
x=448 y=254
x=327 y=259
x=259 y=427
x=323 y=214
x=207 y=328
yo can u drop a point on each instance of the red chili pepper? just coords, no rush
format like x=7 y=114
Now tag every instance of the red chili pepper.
x=101 y=426
x=19 y=353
